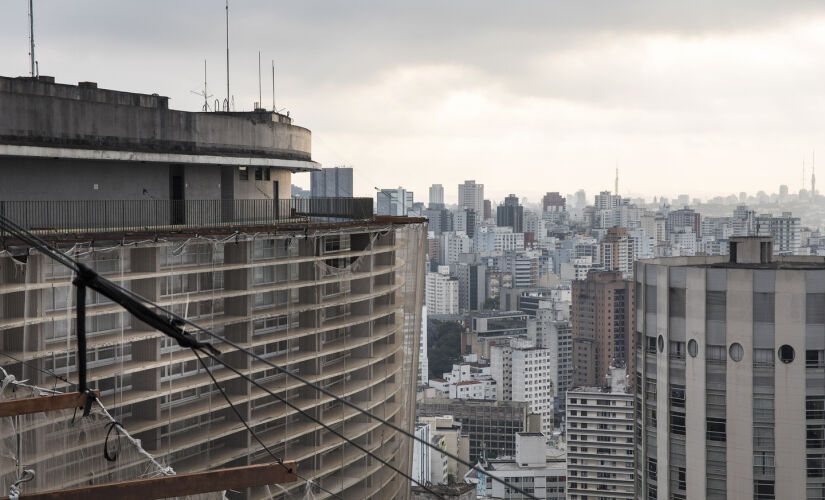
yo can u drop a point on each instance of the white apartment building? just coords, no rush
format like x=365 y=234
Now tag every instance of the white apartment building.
x=786 y=232
x=532 y=382
x=600 y=440
x=454 y=244
x=497 y=240
x=423 y=362
x=442 y=292
x=683 y=242
x=421 y=454
x=455 y=441
x=548 y=332
x=531 y=469
x=576 y=268
x=471 y=196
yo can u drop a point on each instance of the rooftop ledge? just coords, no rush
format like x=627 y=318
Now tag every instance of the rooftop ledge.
x=149 y=157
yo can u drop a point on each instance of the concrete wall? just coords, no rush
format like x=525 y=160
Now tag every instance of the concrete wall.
x=46 y=179
x=48 y=114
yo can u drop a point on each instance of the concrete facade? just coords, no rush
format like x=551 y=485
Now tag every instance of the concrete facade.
x=727 y=404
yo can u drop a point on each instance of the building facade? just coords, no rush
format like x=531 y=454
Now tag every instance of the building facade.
x=331 y=182
x=319 y=287
x=471 y=196
x=600 y=440
x=602 y=320
x=730 y=390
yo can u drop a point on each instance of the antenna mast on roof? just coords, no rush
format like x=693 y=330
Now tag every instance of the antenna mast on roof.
x=226 y=103
x=204 y=93
x=31 y=37
x=274 y=109
x=260 y=99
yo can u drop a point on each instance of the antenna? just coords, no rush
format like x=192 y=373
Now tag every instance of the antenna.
x=204 y=92
x=31 y=36
x=260 y=101
x=226 y=103
x=274 y=109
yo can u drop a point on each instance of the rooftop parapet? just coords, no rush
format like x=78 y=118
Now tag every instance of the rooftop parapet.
x=39 y=112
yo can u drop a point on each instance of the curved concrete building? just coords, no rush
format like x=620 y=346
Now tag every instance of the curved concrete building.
x=730 y=375
x=192 y=210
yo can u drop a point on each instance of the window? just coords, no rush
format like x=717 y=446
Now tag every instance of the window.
x=716 y=429
x=736 y=351
x=815 y=358
x=266 y=174
x=660 y=342
x=693 y=348
x=243 y=173
x=715 y=353
x=259 y=174
x=786 y=354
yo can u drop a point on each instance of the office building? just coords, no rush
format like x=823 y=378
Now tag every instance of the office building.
x=212 y=233
x=730 y=391
x=510 y=214
x=331 y=183
x=491 y=425
x=393 y=201
x=471 y=197
x=436 y=197
x=600 y=440
x=601 y=318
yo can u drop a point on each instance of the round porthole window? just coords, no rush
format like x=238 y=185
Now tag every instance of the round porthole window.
x=736 y=351
x=786 y=353
x=693 y=348
x=661 y=343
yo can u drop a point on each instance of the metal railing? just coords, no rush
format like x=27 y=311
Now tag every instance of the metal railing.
x=85 y=216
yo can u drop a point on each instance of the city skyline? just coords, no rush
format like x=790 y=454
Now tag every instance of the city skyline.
x=556 y=94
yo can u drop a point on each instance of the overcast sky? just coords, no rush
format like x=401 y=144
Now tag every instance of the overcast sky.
x=700 y=97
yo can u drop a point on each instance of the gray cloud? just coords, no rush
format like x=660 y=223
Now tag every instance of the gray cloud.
x=451 y=90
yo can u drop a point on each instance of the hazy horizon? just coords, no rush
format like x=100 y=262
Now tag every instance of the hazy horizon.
x=699 y=99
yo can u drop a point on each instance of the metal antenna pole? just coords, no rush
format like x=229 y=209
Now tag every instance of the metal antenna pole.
x=31 y=36
x=227 y=55
x=260 y=100
x=274 y=109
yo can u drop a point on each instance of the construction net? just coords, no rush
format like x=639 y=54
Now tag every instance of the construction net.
x=339 y=307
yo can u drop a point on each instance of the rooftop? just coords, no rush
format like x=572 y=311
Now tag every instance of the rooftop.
x=42 y=118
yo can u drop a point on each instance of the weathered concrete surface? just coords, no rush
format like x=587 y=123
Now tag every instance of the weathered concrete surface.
x=41 y=113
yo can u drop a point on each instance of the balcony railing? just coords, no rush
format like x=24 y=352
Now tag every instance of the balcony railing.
x=89 y=216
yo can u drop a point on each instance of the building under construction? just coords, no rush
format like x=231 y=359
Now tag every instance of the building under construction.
x=193 y=212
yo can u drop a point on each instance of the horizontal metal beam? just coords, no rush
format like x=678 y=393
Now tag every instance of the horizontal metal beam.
x=178 y=485
x=25 y=406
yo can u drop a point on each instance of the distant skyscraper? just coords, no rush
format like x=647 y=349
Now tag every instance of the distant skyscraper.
x=331 y=183
x=553 y=202
x=511 y=214
x=488 y=210
x=471 y=196
x=436 y=196
x=730 y=387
